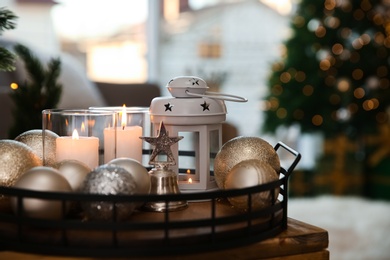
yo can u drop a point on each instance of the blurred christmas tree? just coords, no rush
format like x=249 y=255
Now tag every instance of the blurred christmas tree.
x=334 y=75
x=7 y=22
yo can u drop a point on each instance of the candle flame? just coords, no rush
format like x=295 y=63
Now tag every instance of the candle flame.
x=189 y=179
x=124 y=117
x=82 y=127
x=75 y=135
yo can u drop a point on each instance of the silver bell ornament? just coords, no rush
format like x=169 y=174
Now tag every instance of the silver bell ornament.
x=163 y=179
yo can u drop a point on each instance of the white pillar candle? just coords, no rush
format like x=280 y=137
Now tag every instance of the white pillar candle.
x=128 y=143
x=80 y=148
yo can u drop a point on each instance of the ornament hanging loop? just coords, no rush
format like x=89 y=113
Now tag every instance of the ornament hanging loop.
x=216 y=95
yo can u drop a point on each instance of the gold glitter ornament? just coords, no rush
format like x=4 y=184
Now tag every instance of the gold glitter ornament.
x=34 y=139
x=42 y=178
x=240 y=149
x=15 y=159
x=108 y=180
x=251 y=173
x=74 y=172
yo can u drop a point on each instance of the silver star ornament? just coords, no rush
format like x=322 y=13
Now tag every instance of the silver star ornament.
x=162 y=144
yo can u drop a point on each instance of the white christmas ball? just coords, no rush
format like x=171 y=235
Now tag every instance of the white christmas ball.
x=251 y=173
x=74 y=172
x=138 y=171
x=108 y=180
x=42 y=178
x=240 y=149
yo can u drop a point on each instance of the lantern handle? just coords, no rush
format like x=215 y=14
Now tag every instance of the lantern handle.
x=216 y=95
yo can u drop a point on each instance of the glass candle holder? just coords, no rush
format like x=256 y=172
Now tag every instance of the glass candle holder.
x=81 y=134
x=132 y=123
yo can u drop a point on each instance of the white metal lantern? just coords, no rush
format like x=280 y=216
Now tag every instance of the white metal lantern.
x=197 y=115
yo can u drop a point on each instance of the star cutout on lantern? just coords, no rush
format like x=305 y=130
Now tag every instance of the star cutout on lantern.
x=168 y=106
x=195 y=81
x=205 y=106
x=162 y=144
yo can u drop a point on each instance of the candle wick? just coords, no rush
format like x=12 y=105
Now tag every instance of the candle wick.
x=123 y=127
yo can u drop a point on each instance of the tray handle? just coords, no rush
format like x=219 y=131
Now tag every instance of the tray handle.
x=293 y=152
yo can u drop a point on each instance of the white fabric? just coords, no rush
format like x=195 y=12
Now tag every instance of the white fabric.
x=78 y=91
x=358 y=228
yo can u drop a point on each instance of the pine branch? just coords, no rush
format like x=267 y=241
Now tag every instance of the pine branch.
x=33 y=65
x=53 y=89
x=7 y=22
x=40 y=91
x=7 y=60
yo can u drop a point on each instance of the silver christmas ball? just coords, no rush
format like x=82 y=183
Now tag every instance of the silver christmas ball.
x=74 y=172
x=138 y=171
x=42 y=178
x=16 y=158
x=108 y=180
x=240 y=149
x=34 y=139
x=251 y=173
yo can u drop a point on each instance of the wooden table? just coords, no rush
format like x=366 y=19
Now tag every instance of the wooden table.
x=299 y=241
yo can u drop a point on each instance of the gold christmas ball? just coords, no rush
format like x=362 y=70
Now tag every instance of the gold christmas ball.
x=41 y=179
x=15 y=159
x=74 y=172
x=34 y=139
x=239 y=149
x=251 y=173
x=138 y=171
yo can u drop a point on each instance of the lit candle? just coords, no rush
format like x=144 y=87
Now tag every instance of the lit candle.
x=188 y=174
x=81 y=148
x=128 y=143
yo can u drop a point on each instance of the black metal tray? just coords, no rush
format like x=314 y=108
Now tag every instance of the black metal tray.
x=209 y=223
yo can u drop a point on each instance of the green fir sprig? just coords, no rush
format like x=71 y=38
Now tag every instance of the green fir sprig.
x=41 y=90
x=7 y=22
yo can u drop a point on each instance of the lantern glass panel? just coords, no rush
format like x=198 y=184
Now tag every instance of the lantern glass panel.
x=189 y=156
